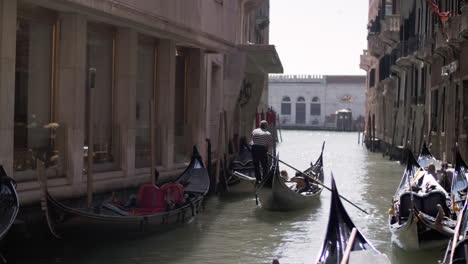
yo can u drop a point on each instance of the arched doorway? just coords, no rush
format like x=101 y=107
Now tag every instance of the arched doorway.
x=300 y=111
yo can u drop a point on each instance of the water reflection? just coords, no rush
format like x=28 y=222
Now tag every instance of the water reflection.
x=233 y=230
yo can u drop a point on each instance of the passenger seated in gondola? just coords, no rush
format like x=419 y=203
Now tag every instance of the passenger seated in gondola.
x=284 y=175
x=445 y=179
x=302 y=183
x=432 y=170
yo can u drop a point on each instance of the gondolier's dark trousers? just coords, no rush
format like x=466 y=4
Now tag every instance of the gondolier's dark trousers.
x=259 y=156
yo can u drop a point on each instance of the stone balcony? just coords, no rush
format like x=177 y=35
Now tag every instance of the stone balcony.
x=391 y=29
x=375 y=45
x=366 y=61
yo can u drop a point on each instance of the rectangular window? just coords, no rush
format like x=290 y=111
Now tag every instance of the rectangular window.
x=144 y=95
x=100 y=57
x=285 y=108
x=434 y=109
x=35 y=136
x=315 y=109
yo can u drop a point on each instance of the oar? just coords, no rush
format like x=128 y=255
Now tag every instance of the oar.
x=349 y=247
x=319 y=183
x=455 y=234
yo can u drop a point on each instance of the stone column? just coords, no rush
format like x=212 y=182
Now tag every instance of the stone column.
x=125 y=96
x=71 y=90
x=165 y=93
x=7 y=81
x=197 y=102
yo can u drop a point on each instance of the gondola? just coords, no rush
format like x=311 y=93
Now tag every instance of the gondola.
x=459 y=183
x=426 y=158
x=457 y=248
x=242 y=171
x=281 y=197
x=9 y=204
x=343 y=240
x=420 y=215
x=143 y=215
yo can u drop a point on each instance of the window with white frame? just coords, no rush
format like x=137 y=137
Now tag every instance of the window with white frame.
x=286 y=105
x=315 y=106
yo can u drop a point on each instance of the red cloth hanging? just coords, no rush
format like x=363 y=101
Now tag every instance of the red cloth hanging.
x=443 y=16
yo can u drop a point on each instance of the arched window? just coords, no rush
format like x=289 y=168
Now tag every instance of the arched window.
x=286 y=106
x=300 y=99
x=315 y=106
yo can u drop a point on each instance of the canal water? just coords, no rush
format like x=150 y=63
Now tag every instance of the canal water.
x=233 y=230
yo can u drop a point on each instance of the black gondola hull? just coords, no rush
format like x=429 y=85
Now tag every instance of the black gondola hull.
x=65 y=218
x=9 y=203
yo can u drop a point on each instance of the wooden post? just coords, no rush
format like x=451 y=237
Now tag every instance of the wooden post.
x=226 y=134
x=226 y=145
x=208 y=166
x=373 y=133
x=90 y=187
x=369 y=132
x=219 y=150
x=279 y=128
x=152 y=142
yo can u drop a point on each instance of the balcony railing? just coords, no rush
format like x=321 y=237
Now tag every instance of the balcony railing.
x=391 y=23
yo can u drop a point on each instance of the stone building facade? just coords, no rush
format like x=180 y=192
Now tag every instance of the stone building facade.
x=417 y=69
x=312 y=101
x=150 y=78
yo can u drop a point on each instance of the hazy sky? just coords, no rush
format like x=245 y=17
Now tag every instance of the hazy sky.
x=319 y=36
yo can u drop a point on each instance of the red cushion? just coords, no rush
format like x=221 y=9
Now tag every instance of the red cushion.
x=151 y=197
x=174 y=193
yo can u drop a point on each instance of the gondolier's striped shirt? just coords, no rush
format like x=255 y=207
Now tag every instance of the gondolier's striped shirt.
x=262 y=137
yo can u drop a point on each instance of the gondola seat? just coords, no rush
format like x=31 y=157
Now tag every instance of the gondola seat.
x=405 y=204
x=430 y=202
x=426 y=203
x=174 y=193
x=151 y=199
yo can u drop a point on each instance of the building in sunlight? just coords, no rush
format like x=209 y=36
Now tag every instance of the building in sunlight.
x=151 y=78
x=417 y=67
x=316 y=101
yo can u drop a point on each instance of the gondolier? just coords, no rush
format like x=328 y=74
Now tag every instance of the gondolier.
x=261 y=145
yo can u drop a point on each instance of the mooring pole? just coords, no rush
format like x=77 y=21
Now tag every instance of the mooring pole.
x=152 y=142
x=91 y=84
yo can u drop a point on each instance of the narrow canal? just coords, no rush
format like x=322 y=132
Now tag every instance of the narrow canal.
x=233 y=230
